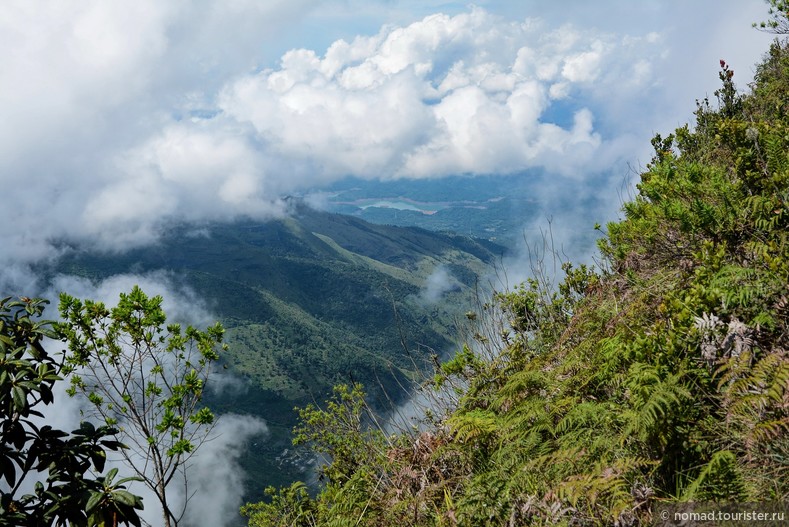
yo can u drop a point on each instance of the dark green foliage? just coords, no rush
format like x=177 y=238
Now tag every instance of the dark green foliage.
x=662 y=377
x=60 y=463
x=289 y=507
x=342 y=433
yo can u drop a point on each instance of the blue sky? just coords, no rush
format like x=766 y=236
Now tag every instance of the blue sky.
x=120 y=119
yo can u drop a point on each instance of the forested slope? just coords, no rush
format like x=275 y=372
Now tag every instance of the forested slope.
x=308 y=301
x=311 y=297
x=659 y=377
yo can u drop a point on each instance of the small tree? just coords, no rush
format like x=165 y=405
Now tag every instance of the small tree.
x=55 y=463
x=147 y=379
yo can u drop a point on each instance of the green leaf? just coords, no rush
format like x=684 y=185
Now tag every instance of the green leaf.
x=125 y=498
x=93 y=502
x=110 y=476
x=126 y=480
x=20 y=398
x=8 y=470
x=98 y=458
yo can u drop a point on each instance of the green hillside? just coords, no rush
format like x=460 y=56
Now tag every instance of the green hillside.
x=310 y=301
x=313 y=297
x=662 y=377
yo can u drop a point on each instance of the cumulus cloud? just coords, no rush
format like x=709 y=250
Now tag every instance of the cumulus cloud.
x=445 y=95
x=120 y=121
x=86 y=85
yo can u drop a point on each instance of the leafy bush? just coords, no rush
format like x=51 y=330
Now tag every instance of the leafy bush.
x=64 y=491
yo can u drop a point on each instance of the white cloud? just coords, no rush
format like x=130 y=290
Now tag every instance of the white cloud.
x=182 y=305
x=584 y=66
x=187 y=172
x=65 y=64
x=216 y=477
x=437 y=284
x=120 y=120
x=445 y=95
x=85 y=84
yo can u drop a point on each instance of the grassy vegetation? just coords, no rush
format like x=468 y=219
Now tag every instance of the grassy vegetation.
x=662 y=376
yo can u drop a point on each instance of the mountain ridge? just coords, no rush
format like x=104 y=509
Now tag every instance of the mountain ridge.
x=297 y=260
x=308 y=301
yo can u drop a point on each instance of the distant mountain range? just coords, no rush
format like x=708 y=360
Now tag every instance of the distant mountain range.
x=310 y=301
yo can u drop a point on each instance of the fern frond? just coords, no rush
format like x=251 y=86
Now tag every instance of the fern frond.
x=767 y=431
x=473 y=424
x=604 y=489
x=750 y=391
x=584 y=415
x=652 y=400
x=520 y=385
x=531 y=414
x=555 y=460
x=719 y=479
x=775 y=148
